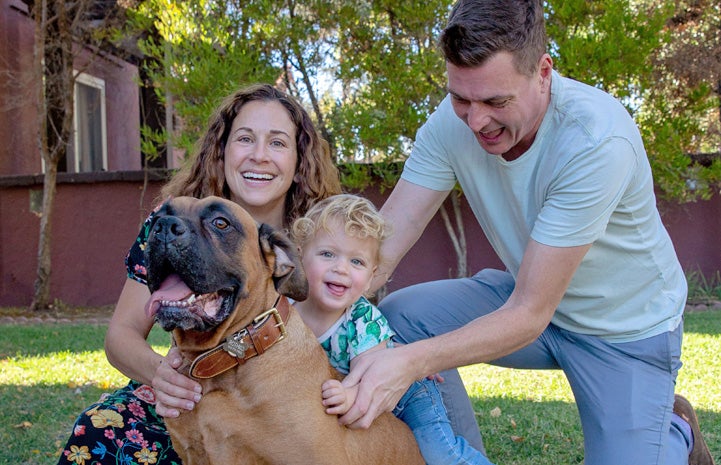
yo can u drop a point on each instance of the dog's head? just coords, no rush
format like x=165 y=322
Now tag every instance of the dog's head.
x=206 y=257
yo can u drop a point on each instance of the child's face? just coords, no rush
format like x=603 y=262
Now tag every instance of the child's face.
x=339 y=268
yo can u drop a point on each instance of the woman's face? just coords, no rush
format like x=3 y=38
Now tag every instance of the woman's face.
x=260 y=160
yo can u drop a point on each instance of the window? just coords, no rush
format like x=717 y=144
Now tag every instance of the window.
x=88 y=149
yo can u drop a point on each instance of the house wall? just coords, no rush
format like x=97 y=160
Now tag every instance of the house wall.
x=97 y=218
x=18 y=124
x=93 y=226
x=18 y=115
x=695 y=229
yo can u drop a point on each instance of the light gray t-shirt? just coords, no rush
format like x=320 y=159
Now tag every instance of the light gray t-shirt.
x=585 y=179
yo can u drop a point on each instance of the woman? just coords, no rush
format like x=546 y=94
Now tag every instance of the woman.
x=262 y=151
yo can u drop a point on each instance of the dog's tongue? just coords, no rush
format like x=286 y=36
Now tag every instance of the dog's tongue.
x=173 y=288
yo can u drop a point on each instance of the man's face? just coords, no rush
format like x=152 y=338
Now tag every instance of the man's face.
x=503 y=107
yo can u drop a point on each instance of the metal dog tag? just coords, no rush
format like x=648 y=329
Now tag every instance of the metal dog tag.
x=236 y=348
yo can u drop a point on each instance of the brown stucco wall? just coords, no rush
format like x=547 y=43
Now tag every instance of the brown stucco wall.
x=96 y=221
x=94 y=224
x=19 y=152
x=696 y=232
x=18 y=124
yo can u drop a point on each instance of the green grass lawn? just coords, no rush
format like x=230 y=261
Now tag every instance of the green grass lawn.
x=49 y=373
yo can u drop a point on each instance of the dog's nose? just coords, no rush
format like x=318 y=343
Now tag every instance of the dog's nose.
x=169 y=228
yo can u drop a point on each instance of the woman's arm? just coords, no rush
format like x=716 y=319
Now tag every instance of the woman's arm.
x=127 y=349
x=125 y=342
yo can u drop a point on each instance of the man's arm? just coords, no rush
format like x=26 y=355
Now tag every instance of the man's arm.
x=543 y=278
x=408 y=210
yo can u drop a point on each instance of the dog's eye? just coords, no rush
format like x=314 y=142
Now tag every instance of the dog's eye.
x=221 y=223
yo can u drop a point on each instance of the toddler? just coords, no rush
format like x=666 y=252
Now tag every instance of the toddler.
x=340 y=239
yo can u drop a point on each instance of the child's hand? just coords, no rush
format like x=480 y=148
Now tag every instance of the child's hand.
x=335 y=398
x=437 y=377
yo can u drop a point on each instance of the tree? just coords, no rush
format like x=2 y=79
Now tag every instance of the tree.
x=199 y=51
x=389 y=75
x=661 y=59
x=684 y=105
x=370 y=72
x=61 y=31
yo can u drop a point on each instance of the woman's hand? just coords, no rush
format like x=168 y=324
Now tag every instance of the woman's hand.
x=173 y=391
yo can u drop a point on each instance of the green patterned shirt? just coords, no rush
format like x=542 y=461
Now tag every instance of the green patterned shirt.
x=361 y=327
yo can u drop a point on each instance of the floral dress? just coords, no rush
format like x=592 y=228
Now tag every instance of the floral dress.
x=123 y=427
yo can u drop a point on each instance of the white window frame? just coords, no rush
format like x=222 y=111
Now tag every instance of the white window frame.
x=90 y=81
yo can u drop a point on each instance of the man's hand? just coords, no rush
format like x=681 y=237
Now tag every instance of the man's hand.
x=381 y=378
x=173 y=391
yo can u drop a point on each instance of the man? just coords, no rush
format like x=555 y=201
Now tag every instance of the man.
x=557 y=176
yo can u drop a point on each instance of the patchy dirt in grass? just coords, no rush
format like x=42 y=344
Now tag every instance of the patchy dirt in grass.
x=703 y=306
x=57 y=315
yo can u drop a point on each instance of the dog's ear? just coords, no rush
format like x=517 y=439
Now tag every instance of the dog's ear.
x=282 y=256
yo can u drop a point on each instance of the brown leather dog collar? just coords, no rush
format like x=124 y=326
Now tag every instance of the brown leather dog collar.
x=265 y=330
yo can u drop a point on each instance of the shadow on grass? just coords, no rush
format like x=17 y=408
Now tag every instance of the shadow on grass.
x=708 y=322
x=39 y=419
x=521 y=431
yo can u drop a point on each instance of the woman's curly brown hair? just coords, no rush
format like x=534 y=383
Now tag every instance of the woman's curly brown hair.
x=204 y=174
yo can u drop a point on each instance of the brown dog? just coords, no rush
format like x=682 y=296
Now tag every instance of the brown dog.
x=219 y=282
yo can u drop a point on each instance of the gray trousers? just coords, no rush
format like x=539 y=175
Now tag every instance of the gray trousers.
x=623 y=391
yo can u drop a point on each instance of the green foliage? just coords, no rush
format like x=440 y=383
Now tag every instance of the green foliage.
x=355 y=176
x=370 y=72
x=199 y=52
x=605 y=43
x=151 y=141
x=667 y=140
x=391 y=75
x=679 y=114
x=629 y=48
x=703 y=290
x=358 y=176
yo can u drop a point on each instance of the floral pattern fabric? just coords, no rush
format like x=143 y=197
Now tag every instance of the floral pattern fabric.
x=121 y=428
x=135 y=260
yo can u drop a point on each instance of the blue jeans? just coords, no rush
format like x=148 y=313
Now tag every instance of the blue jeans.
x=624 y=391
x=421 y=408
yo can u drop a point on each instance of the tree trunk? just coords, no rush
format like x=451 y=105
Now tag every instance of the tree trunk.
x=41 y=299
x=42 y=287
x=54 y=63
x=457 y=234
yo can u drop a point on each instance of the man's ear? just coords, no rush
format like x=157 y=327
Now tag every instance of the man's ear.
x=281 y=255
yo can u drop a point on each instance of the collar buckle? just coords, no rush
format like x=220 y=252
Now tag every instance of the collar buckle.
x=261 y=319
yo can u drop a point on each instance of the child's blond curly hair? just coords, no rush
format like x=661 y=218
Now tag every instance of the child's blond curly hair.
x=358 y=215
